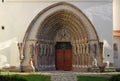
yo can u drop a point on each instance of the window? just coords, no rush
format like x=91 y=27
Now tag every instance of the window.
x=115 y=50
x=2 y=27
x=2 y=1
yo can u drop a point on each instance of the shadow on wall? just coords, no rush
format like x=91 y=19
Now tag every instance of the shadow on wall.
x=107 y=52
x=4 y=45
x=3 y=61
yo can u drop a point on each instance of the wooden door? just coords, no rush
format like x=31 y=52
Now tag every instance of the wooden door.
x=68 y=60
x=63 y=56
x=59 y=60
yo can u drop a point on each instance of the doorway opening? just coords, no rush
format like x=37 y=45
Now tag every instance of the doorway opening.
x=63 y=56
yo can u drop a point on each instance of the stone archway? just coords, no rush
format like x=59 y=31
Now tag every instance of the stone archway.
x=60 y=22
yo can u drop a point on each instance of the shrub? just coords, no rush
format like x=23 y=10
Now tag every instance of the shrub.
x=115 y=78
x=92 y=78
x=11 y=78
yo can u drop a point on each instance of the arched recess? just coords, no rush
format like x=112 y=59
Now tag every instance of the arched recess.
x=60 y=22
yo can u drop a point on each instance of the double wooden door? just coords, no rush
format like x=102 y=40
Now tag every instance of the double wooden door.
x=63 y=56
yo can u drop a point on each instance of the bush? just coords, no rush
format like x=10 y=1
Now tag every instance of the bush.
x=29 y=77
x=92 y=78
x=115 y=78
x=11 y=78
x=118 y=70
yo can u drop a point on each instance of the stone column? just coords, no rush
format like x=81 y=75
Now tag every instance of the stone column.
x=80 y=55
x=77 y=54
x=53 y=56
x=42 y=56
x=89 y=55
x=85 y=47
x=45 y=60
x=83 y=55
x=74 y=54
x=47 y=56
x=40 y=52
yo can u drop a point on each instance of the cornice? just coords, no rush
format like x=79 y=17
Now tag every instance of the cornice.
x=116 y=33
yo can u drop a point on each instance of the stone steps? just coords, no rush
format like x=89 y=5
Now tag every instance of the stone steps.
x=64 y=77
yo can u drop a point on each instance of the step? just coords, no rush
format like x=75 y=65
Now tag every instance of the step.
x=64 y=77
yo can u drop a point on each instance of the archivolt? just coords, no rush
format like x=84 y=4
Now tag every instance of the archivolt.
x=60 y=14
x=62 y=19
x=55 y=18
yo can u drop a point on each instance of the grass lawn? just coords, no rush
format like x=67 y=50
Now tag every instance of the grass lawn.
x=36 y=77
x=30 y=77
x=92 y=78
x=40 y=77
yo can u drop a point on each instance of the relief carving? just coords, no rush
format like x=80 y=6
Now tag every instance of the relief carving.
x=63 y=35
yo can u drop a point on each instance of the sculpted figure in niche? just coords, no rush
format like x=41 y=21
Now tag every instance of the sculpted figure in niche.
x=20 y=47
x=32 y=50
x=36 y=51
x=32 y=59
x=94 y=51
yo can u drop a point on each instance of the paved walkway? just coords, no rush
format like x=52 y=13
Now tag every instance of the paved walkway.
x=63 y=76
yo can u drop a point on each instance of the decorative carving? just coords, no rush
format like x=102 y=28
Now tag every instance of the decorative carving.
x=20 y=47
x=63 y=35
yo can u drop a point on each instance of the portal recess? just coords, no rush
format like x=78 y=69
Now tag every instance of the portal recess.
x=60 y=22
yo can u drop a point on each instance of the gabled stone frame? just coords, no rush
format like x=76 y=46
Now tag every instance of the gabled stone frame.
x=43 y=30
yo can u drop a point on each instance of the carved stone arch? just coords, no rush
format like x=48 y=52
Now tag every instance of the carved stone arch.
x=45 y=26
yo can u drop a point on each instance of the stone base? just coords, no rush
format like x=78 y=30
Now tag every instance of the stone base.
x=110 y=69
x=94 y=69
x=45 y=69
x=11 y=69
x=81 y=69
x=27 y=69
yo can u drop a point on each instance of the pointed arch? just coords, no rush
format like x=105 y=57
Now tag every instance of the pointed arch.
x=58 y=17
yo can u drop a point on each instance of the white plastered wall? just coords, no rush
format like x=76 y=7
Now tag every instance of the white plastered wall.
x=16 y=17
x=116 y=24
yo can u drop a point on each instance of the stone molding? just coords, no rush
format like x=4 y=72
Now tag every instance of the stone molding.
x=116 y=33
x=44 y=28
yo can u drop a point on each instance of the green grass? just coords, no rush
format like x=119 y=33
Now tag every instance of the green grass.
x=40 y=77
x=115 y=78
x=36 y=77
x=29 y=77
x=92 y=78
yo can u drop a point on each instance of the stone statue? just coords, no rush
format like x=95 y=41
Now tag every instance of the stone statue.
x=20 y=47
